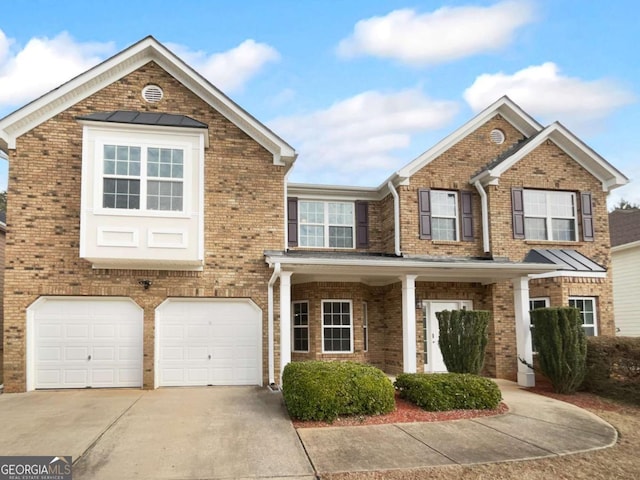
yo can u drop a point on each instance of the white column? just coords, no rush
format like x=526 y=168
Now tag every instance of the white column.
x=526 y=376
x=409 y=323
x=285 y=320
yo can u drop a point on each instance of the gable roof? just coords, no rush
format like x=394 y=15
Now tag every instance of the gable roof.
x=148 y=49
x=504 y=106
x=609 y=176
x=624 y=226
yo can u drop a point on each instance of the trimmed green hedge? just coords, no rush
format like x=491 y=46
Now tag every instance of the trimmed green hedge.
x=562 y=346
x=324 y=390
x=449 y=391
x=463 y=339
x=613 y=368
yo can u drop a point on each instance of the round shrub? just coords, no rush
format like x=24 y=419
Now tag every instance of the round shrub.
x=324 y=390
x=449 y=391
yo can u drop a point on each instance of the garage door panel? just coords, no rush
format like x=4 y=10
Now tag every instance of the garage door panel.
x=76 y=354
x=213 y=331
x=87 y=342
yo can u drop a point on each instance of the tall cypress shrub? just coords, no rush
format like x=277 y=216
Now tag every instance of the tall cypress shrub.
x=562 y=346
x=463 y=339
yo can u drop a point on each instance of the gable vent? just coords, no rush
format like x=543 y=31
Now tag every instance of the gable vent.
x=152 y=93
x=497 y=136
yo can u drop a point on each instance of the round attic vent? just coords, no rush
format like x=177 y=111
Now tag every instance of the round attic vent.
x=497 y=136
x=152 y=93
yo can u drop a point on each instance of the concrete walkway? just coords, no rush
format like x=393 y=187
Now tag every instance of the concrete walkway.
x=535 y=427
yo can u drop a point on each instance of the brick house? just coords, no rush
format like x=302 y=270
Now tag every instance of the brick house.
x=153 y=239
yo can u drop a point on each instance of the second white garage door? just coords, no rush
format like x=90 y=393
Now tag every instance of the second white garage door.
x=208 y=342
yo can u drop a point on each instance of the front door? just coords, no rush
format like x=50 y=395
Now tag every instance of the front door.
x=433 y=361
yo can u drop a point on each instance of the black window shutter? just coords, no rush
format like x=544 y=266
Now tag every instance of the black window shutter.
x=424 y=205
x=466 y=208
x=588 y=234
x=517 y=207
x=362 y=224
x=292 y=221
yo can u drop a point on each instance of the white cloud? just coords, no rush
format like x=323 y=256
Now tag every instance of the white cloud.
x=543 y=91
x=355 y=140
x=230 y=70
x=43 y=64
x=443 y=35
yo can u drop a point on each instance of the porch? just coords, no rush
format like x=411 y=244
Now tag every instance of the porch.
x=380 y=309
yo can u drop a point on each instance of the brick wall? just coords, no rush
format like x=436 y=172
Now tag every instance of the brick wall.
x=2 y=258
x=243 y=216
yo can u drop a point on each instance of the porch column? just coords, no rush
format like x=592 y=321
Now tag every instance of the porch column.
x=285 y=320
x=409 y=323
x=526 y=376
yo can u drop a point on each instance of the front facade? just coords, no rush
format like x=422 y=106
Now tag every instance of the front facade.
x=153 y=239
x=625 y=263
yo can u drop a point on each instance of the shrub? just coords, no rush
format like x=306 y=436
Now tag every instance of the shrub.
x=324 y=390
x=613 y=368
x=463 y=339
x=448 y=391
x=562 y=346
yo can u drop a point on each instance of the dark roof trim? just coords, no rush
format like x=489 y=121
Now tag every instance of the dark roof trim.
x=564 y=259
x=144 y=118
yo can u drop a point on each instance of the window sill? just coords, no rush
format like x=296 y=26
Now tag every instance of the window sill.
x=446 y=242
x=337 y=353
x=566 y=243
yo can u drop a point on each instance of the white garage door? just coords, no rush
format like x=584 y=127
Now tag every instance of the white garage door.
x=208 y=342
x=86 y=342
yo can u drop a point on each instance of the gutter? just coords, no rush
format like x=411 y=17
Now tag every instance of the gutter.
x=396 y=218
x=270 y=315
x=485 y=217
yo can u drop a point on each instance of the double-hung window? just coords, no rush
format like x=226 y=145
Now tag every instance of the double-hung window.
x=337 y=323
x=549 y=215
x=141 y=177
x=444 y=215
x=326 y=224
x=300 y=326
x=587 y=307
x=534 y=304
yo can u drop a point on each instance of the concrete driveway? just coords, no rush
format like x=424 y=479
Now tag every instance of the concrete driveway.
x=216 y=432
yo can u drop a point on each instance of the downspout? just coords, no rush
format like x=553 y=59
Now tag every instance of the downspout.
x=485 y=217
x=396 y=218
x=285 y=247
x=270 y=315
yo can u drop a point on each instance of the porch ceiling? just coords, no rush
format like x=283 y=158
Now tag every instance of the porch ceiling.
x=375 y=269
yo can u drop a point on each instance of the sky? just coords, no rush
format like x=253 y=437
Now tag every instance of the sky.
x=361 y=87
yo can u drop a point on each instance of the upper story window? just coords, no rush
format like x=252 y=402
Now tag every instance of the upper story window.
x=326 y=224
x=549 y=215
x=137 y=177
x=446 y=215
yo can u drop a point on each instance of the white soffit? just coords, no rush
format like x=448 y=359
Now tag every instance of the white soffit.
x=122 y=64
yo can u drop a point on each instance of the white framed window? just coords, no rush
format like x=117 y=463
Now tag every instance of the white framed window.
x=326 y=224
x=549 y=215
x=142 y=177
x=535 y=303
x=588 y=313
x=337 y=326
x=300 y=325
x=365 y=327
x=444 y=215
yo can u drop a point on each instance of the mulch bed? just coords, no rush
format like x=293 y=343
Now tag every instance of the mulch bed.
x=580 y=399
x=405 y=412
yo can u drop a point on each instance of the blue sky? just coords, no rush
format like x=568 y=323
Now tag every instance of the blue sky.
x=361 y=87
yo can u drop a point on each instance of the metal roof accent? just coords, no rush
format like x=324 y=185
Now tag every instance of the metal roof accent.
x=144 y=118
x=564 y=259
